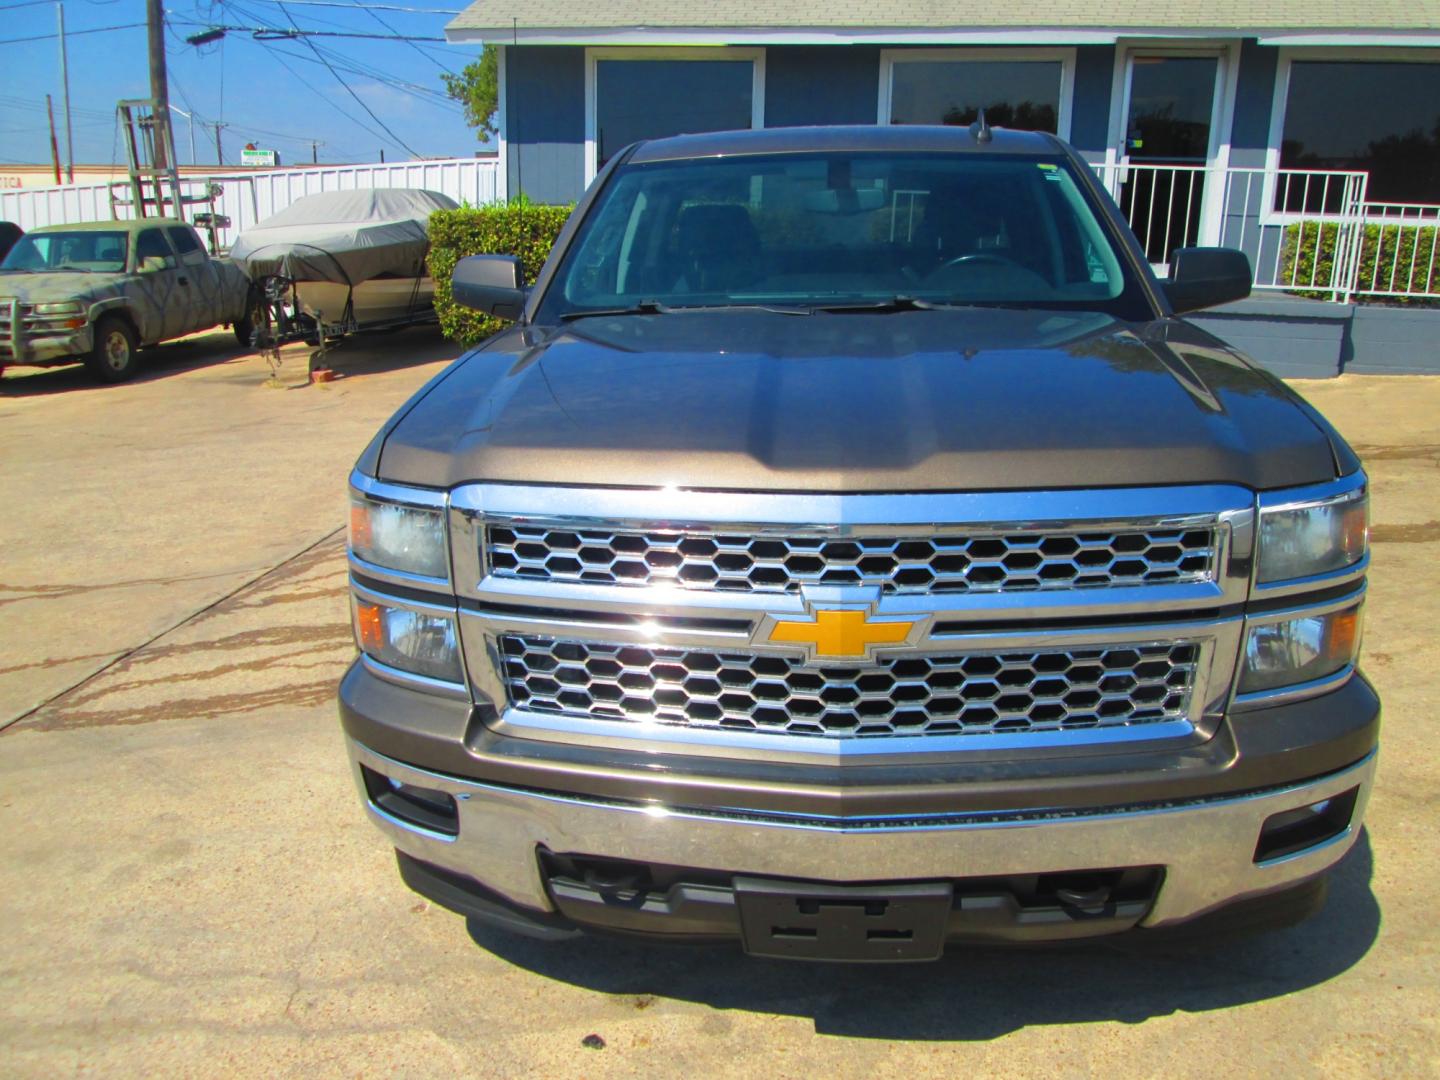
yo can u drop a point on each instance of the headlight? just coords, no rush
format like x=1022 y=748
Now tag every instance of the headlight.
x=68 y=308
x=1279 y=654
x=410 y=539
x=1299 y=540
x=410 y=640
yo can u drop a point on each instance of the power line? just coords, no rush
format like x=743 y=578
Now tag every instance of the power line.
x=25 y=3
x=358 y=100
x=358 y=7
x=76 y=33
x=425 y=94
x=428 y=95
x=416 y=48
x=279 y=55
x=431 y=95
x=279 y=33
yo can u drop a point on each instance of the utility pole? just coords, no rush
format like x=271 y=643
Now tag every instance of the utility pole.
x=54 y=146
x=159 y=83
x=315 y=145
x=65 y=86
x=219 y=153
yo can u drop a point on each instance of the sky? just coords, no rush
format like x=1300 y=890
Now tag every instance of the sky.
x=279 y=95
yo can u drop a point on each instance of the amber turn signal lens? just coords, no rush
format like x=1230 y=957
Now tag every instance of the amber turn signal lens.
x=370 y=626
x=1344 y=633
x=360 y=539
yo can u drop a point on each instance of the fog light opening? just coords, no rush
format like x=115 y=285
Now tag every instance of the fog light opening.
x=420 y=807
x=1294 y=831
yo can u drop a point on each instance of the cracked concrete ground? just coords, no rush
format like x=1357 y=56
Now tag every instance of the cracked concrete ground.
x=189 y=887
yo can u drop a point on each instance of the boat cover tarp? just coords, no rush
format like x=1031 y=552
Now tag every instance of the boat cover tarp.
x=343 y=236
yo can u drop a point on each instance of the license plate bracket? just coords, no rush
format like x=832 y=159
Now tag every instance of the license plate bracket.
x=797 y=920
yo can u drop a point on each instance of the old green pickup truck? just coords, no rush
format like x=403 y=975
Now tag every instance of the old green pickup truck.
x=97 y=292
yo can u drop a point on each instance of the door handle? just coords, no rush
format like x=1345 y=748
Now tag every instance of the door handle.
x=184 y=281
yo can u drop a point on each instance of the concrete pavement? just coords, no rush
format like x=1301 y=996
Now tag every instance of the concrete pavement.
x=128 y=508
x=190 y=888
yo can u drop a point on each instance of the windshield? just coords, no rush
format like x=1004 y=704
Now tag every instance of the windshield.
x=99 y=251
x=842 y=229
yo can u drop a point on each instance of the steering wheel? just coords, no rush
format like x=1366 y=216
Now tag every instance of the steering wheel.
x=977 y=257
x=1012 y=273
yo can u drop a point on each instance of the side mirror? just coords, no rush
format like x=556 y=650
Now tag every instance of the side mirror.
x=1201 y=277
x=489 y=283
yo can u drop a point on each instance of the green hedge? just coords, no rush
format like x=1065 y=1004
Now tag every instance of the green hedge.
x=1384 y=246
x=518 y=228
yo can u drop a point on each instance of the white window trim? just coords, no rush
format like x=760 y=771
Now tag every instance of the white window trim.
x=1288 y=55
x=592 y=55
x=502 y=161
x=1222 y=116
x=1066 y=57
x=1222 y=109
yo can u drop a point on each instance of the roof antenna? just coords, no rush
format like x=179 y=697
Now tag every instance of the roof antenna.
x=980 y=129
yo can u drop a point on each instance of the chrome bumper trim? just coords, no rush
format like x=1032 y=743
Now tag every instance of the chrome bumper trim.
x=1205 y=846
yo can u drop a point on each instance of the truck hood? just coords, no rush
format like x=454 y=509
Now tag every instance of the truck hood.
x=974 y=399
x=53 y=287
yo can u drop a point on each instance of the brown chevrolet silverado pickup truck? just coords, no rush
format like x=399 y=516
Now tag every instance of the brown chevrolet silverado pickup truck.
x=849 y=551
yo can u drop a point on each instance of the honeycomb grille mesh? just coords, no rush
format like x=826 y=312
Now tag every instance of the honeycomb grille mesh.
x=976 y=693
x=775 y=563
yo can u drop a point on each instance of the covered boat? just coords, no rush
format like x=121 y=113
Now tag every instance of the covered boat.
x=354 y=259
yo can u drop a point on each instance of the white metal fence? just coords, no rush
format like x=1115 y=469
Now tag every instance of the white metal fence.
x=1306 y=231
x=248 y=197
x=1397 y=251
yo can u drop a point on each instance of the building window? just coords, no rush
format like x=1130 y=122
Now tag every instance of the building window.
x=1378 y=116
x=654 y=93
x=1030 y=92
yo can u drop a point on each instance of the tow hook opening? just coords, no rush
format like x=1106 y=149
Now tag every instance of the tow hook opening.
x=420 y=807
x=1294 y=831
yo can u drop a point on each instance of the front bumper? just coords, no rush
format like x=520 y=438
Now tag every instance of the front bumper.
x=1204 y=848
x=49 y=349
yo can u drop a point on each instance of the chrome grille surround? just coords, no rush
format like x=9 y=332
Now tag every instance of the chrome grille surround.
x=664 y=615
x=980 y=693
x=783 y=561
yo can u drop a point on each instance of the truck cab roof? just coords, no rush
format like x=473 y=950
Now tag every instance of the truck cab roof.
x=899 y=138
x=113 y=226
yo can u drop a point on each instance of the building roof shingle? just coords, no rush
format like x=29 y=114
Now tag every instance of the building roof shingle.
x=907 y=16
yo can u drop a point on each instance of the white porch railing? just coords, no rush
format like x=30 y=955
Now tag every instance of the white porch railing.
x=1306 y=231
x=1403 y=239
x=248 y=197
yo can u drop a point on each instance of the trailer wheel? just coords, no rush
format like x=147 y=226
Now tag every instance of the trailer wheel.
x=115 y=355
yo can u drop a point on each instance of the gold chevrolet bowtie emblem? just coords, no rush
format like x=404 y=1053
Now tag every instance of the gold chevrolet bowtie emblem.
x=841 y=633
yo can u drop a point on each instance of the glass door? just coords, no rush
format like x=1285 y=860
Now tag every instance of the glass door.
x=1167 y=143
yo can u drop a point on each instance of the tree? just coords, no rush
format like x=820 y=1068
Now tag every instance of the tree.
x=477 y=87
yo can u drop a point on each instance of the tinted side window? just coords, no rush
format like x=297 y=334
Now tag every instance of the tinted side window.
x=150 y=245
x=188 y=245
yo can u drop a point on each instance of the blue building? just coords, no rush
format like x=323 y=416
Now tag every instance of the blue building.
x=1242 y=122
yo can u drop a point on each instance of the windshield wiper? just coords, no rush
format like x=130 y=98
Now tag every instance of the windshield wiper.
x=654 y=307
x=898 y=302
x=643 y=307
x=68 y=266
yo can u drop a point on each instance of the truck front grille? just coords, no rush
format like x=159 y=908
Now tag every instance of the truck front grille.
x=913 y=694
x=942 y=562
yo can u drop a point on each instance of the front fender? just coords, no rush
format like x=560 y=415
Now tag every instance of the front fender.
x=120 y=305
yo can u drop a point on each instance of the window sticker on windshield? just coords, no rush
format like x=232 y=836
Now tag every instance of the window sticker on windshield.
x=1050 y=172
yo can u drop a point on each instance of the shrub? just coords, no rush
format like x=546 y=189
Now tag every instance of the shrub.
x=1403 y=260
x=519 y=228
